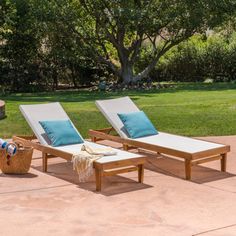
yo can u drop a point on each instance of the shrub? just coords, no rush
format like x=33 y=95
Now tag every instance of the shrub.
x=199 y=58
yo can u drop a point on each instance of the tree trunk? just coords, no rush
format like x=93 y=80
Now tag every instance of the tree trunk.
x=127 y=74
x=55 y=81
x=73 y=73
x=74 y=81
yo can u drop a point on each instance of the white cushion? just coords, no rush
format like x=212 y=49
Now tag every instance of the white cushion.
x=180 y=143
x=41 y=112
x=111 y=107
x=121 y=155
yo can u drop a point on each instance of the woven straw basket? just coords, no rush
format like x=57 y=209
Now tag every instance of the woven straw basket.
x=19 y=163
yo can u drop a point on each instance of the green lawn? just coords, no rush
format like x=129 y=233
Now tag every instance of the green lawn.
x=187 y=109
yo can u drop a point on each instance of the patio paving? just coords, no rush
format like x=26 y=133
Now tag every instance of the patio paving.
x=55 y=203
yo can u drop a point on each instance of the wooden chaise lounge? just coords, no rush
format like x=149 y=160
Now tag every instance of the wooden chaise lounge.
x=108 y=165
x=193 y=151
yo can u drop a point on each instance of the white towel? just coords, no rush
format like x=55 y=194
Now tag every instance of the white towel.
x=83 y=161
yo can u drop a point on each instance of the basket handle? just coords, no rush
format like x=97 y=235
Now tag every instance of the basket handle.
x=19 y=144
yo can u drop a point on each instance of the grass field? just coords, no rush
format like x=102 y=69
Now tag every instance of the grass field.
x=187 y=109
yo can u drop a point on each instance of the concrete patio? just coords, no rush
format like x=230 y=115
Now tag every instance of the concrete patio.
x=54 y=203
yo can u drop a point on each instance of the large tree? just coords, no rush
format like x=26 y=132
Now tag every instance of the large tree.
x=114 y=32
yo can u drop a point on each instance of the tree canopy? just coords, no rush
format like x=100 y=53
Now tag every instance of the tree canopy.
x=115 y=32
x=42 y=41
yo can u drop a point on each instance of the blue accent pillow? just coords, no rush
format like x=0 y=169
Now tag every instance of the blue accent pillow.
x=61 y=132
x=137 y=124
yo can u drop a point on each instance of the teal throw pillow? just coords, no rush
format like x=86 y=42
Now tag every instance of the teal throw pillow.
x=137 y=124
x=61 y=132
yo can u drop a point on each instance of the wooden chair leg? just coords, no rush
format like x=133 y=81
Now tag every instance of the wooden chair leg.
x=94 y=139
x=188 y=169
x=125 y=147
x=223 y=162
x=98 y=175
x=140 y=173
x=45 y=162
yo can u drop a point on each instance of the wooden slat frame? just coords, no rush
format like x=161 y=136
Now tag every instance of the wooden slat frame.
x=50 y=152
x=190 y=159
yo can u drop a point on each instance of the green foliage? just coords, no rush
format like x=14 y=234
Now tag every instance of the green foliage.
x=37 y=50
x=199 y=58
x=47 y=44
x=112 y=32
x=19 y=44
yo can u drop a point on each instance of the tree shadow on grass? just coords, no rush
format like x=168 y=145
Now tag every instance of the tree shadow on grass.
x=87 y=96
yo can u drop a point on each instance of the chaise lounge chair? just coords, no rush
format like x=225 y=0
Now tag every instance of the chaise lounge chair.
x=193 y=151
x=108 y=165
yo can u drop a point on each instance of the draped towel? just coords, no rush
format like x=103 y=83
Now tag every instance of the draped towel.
x=83 y=161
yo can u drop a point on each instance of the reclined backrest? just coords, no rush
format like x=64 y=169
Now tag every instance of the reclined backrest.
x=111 y=107
x=41 y=112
